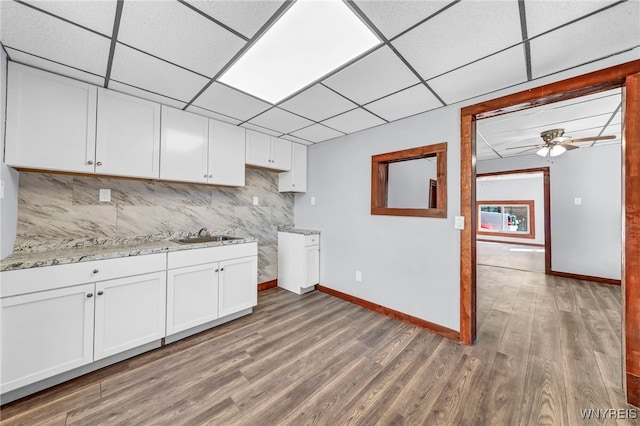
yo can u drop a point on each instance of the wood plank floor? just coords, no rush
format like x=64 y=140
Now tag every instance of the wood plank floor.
x=547 y=347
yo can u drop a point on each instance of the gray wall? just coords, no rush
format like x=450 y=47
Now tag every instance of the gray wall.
x=409 y=264
x=57 y=208
x=525 y=187
x=586 y=238
x=8 y=176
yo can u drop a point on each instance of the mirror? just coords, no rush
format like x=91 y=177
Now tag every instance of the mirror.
x=410 y=182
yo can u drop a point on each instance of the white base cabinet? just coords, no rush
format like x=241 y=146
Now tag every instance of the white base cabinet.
x=44 y=334
x=298 y=261
x=210 y=283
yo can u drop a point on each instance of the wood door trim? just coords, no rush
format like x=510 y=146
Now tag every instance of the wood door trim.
x=418 y=322
x=627 y=74
x=267 y=285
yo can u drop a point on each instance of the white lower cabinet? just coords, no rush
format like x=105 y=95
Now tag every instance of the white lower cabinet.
x=44 y=334
x=298 y=261
x=192 y=296
x=210 y=283
x=129 y=313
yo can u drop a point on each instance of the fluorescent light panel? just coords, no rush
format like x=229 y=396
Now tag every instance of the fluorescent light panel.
x=313 y=38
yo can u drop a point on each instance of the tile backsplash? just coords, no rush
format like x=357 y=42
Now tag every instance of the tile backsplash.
x=55 y=207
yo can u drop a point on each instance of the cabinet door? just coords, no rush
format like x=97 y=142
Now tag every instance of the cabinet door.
x=258 y=149
x=192 y=296
x=44 y=334
x=51 y=121
x=184 y=146
x=296 y=179
x=238 y=284
x=226 y=154
x=128 y=136
x=129 y=312
x=313 y=265
x=280 y=154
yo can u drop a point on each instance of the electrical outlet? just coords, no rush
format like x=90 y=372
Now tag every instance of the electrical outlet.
x=313 y=201
x=577 y=201
x=358 y=276
x=105 y=195
x=255 y=201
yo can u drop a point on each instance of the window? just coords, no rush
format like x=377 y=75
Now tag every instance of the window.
x=506 y=218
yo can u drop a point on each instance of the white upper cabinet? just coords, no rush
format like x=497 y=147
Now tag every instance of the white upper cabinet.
x=296 y=179
x=128 y=136
x=51 y=121
x=280 y=154
x=184 y=146
x=268 y=152
x=226 y=154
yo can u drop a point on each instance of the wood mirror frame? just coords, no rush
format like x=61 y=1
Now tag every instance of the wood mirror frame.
x=380 y=180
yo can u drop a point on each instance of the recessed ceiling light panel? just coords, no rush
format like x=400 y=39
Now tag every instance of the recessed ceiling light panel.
x=313 y=38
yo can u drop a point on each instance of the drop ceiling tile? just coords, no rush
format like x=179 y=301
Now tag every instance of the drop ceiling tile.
x=353 y=120
x=34 y=32
x=600 y=35
x=214 y=115
x=495 y=72
x=318 y=103
x=228 y=101
x=317 y=133
x=235 y=14
x=96 y=15
x=153 y=97
x=261 y=129
x=544 y=15
x=176 y=33
x=463 y=33
x=149 y=73
x=297 y=140
x=374 y=76
x=393 y=17
x=280 y=120
x=53 y=67
x=411 y=101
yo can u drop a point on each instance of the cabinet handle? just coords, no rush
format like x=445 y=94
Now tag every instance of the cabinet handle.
x=221 y=269
x=216 y=270
x=99 y=163
x=89 y=295
x=204 y=176
x=294 y=184
x=90 y=162
x=100 y=293
x=95 y=271
x=210 y=176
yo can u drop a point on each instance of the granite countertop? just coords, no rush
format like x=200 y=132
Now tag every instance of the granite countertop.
x=65 y=255
x=301 y=231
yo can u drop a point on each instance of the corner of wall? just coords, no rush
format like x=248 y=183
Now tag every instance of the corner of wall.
x=8 y=176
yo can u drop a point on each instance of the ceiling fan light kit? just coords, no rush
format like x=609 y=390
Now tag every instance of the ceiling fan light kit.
x=555 y=143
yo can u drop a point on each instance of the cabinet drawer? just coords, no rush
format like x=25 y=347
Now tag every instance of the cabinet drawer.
x=31 y=280
x=182 y=258
x=312 y=240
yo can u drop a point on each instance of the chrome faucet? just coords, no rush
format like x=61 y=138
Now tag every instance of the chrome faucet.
x=203 y=232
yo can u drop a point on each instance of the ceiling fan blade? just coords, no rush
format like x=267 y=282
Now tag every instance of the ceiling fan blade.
x=525 y=146
x=594 y=138
x=569 y=146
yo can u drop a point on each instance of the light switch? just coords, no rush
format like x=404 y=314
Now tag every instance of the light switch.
x=359 y=276
x=255 y=200
x=313 y=201
x=105 y=195
x=459 y=222
x=577 y=201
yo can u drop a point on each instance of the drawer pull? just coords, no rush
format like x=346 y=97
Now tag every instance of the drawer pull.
x=95 y=271
x=216 y=270
x=100 y=293
x=89 y=295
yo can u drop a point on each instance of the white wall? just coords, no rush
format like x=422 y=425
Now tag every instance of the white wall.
x=408 y=264
x=528 y=186
x=585 y=239
x=8 y=177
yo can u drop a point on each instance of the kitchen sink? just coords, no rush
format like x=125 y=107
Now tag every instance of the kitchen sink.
x=208 y=239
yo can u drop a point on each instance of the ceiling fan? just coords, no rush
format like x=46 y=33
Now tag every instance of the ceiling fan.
x=555 y=143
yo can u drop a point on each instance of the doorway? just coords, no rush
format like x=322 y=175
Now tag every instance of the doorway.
x=626 y=76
